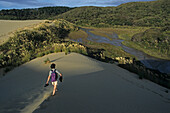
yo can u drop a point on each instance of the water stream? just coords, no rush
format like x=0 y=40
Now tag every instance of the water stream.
x=149 y=61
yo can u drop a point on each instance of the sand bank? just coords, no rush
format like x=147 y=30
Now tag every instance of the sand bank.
x=89 y=86
x=8 y=26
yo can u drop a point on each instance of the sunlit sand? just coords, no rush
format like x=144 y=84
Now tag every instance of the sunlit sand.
x=89 y=86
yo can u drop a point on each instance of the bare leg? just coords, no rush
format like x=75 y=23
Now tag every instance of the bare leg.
x=55 y=86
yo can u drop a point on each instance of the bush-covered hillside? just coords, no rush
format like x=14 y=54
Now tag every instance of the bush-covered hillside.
x=27 y=14
x=30 y=43
x=153 y=13
x=155 y=39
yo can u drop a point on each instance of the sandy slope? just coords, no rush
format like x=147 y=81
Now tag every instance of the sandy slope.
x=7 y=26
x=89 y=86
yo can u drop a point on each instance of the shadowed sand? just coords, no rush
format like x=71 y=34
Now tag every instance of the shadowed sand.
x=89 y=86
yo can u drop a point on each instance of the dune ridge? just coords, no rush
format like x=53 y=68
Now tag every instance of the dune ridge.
x=89 y=86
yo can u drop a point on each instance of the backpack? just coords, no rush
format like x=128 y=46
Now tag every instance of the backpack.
x=54 y=76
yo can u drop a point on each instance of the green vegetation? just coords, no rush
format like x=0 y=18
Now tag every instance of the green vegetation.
x=143 y=72
x=36 y=42
x=48 y=37
x=39 y=13
x=108 y=50
x=155 y=40
x=152 y=41
x=47 y=61
x=126 y=32
x=148 y=14
x=41 y=40
x=143 y=25
x=78 y=34
x=129 y=20
x=96 y=32
x=112 y=52
x=154 y=13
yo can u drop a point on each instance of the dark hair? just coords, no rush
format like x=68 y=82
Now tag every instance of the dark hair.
x=53 y=65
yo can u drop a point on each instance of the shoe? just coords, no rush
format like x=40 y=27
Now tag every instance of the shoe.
x=61 y=78
x=46 y=85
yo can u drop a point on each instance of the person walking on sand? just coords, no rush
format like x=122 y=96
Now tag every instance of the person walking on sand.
x=53 y=74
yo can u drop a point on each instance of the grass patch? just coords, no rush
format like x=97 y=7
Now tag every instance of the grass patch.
x=100 y=34
x=151 y=52
x=110 y=51
x=47 y=61
x=78 y=34
x=126 y=33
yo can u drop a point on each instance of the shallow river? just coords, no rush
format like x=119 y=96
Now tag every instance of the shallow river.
x=148 y=61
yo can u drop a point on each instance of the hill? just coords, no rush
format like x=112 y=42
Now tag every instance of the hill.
x=154 y=39
x=29 y=14
x=153 y=13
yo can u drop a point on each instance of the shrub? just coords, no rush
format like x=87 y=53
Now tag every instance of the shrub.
x=47 y=52
x=58 y=49
x=26 y=58
x=66 y=51
x=47 y=61
x=40 y=54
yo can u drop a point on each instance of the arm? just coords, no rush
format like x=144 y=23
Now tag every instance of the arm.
x=61 y=76
x=48 y=79
x=59 y=73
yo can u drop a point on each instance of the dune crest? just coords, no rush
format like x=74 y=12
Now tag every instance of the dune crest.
x=89 y=86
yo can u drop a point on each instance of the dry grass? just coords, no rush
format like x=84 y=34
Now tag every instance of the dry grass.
x=126 y=33
x=78 y=34
x=101 y=30
x=8 y=26
x=104 y=30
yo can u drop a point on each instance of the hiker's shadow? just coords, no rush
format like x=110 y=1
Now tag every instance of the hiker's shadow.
x=56 y=59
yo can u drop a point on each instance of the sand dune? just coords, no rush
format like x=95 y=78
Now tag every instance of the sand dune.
x=89 y=86
x=7 y=26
